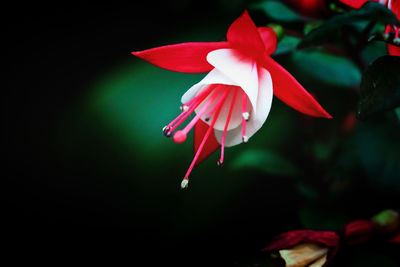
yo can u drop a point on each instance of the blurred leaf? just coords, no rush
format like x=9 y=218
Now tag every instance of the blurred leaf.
x=323 y=151
x=386 y=217
x=373 y=51
x=371 y=11
x=376 y=150
x=371 y=258
x=286 y=45
x=266 y=161
x=306 y=190
x=380 y=87
x=321 y=219
x=277 y=11
x=329 y=69
x=397 y=111
x=278 y=29
x=311 y=26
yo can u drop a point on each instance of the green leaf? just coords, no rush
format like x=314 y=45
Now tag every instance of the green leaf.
x=371 y=11
x=329 y=69
x=277 y=11
x=306 y=190
x=265 y=161
x=317 y=219
x=380 y=87
x=286 y=45
x=397 y=111
x=386 y=217
x=278 y=29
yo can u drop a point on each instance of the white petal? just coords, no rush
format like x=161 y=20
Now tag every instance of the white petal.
x=236 y=116
x=264 y=101
x=240 y=69
x=213 y=77
x=217 y=77
x=303 y=254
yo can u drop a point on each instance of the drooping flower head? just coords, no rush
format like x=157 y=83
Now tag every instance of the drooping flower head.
x=302 y=248
x=233 y=100
x=394 y=6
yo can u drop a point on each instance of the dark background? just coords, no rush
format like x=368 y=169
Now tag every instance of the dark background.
x=82 y=185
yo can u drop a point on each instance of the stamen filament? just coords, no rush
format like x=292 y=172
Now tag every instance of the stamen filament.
x=204 y=109
x=244 y=103
x=206 y=91
x=191 y=109
x=207 y=134
x=221 y=159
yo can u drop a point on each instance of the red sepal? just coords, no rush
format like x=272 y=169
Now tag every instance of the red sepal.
x=355 y=3
x=359 y=231
x=211 y=144
x=290 y=91
x=292 y=238
x=243 y=35
x=185 y=57
x=393 y=50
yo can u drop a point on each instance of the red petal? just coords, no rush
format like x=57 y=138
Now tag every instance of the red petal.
x=393 y=50
x=269 y=39
x=358 y=231
x=395 y=239
x=292 y=238
x=355 y=3
x=211 y=144
x=185 y=57
x=290 y=91
x=396 y=8
x=243 y=35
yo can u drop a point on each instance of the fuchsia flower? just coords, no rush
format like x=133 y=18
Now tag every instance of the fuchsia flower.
x=394 y=6
x=233 y=101
x=313 y=248
x=305 y=247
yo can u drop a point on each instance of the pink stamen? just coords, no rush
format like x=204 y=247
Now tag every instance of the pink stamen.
x=212 y=111
x=244 y=103
x=199 y=114
x=204 y=92
x=198 y=99
x=189 y=111
x=219 y=104
x=221 y=159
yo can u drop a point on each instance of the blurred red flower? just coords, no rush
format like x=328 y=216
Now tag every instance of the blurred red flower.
x=394 y=6
x=309 y=8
